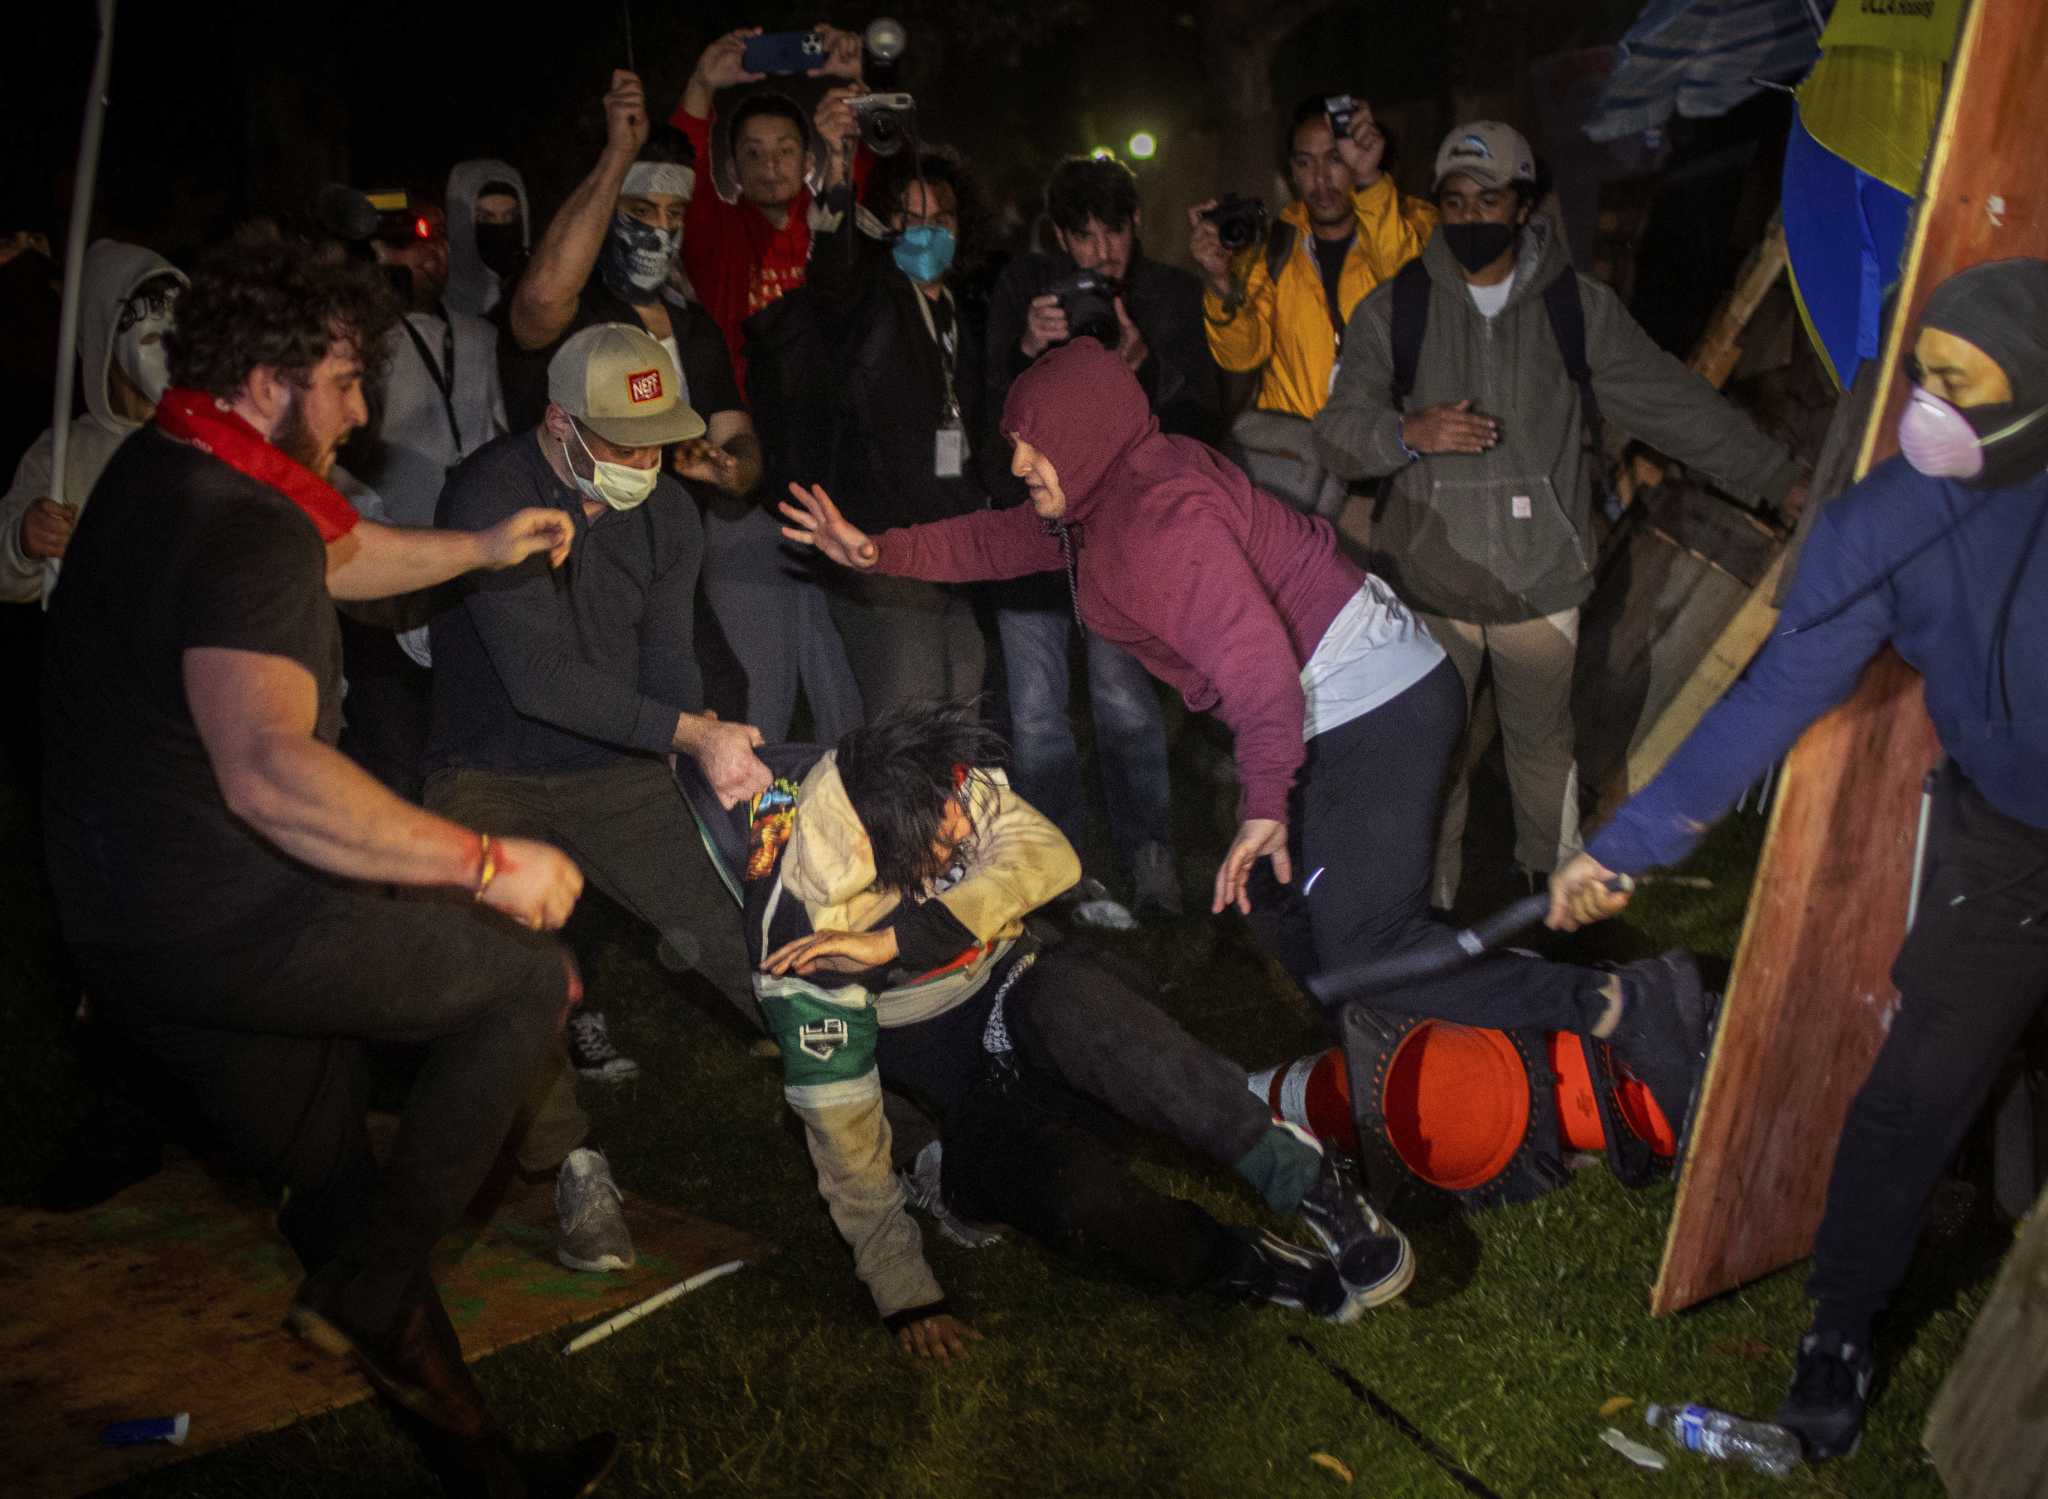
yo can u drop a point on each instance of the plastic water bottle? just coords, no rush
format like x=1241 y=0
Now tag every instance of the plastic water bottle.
x=1729 y=1439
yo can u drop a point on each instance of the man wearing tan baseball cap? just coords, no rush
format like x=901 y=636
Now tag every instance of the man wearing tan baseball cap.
x=560 y=699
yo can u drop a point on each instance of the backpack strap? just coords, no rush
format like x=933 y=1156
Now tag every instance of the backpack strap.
x=1279 y=245
x=1568 y=324
x=1410 y=321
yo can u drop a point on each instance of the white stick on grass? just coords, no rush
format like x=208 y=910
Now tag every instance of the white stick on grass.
x=652 y=1304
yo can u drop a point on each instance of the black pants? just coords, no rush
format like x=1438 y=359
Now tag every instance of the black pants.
x=267 y=1030
x=389 y=708
x=1972 y=974
x=1362 y=832
x=1025 y=1137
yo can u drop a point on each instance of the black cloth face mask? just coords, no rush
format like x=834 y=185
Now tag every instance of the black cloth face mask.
x=500 y=247
x=1477 y=246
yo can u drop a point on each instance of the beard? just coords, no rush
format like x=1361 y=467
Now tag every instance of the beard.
x=294 y=438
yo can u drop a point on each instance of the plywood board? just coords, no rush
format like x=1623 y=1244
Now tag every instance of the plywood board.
x=171 y=1297
x=1810 y=995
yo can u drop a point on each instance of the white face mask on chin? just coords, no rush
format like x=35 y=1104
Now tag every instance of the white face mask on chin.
x=618 y=485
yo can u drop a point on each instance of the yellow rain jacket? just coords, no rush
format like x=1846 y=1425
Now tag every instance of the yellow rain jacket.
x=1285 y=325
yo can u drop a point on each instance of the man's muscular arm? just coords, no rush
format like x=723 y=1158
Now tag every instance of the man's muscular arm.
x=256 y=713
x=375 y=561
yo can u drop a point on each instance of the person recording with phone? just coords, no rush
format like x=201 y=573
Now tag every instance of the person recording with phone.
x=1279 y=304
x=908 y=415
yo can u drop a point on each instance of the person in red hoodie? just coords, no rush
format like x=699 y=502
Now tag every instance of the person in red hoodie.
x=1344 y=710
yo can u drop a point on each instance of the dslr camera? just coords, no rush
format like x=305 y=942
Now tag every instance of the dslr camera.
x=1088 y=298
x=1239 y=221
x=887 y=121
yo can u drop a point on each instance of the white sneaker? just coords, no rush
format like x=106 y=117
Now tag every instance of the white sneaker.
x=591 y=1051
x=590 y=1215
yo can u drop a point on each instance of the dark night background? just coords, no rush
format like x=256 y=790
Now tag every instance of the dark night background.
x=240 y=108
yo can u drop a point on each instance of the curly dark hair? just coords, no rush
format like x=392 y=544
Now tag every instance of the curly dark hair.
x=939 y=166
x=899 y=773
x=1091 y=187
x=273 y=301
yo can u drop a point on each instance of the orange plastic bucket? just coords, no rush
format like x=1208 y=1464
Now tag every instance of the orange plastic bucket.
x=1578 y=1115
x=1457 y=1104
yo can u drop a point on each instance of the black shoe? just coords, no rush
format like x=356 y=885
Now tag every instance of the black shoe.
x=1830 y=1388
x=410 y=1357
x=1662 y=1034
x=1271 y=1269
x=1371 y=1255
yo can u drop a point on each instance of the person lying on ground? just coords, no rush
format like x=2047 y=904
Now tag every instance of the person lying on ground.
x=887 y=885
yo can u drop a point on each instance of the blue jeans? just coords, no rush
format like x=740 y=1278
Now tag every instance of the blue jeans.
x=1130 y=735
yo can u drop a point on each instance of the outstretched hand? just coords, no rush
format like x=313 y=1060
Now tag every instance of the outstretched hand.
x=536 y=529
x=1257 y=838
x=816 y=522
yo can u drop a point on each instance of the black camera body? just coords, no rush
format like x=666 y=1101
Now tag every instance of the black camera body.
x=1239 y=221
x=1088 y=298
x=888 y=122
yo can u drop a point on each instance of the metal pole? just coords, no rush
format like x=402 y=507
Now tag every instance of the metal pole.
x=74 y=246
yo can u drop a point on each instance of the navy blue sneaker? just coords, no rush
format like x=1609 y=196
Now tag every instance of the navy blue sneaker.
x=1371 y=1255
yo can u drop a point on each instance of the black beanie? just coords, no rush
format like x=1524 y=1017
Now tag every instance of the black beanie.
x=2000 y=306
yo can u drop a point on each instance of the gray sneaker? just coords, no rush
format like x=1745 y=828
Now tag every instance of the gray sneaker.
x=591 y=1051
x=589 y=1210
x=921 y=1186
x=1156 y=881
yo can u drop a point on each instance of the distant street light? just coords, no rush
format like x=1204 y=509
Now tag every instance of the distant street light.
x=1143 y=146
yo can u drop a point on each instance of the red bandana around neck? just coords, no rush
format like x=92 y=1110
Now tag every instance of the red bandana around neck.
x=211 y=426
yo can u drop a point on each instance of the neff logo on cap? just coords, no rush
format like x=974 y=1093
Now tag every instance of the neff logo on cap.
x=645 y=386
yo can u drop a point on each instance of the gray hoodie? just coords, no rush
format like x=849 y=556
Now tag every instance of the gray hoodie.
x=112 y=273
x=473 y=287
x=1506 y=535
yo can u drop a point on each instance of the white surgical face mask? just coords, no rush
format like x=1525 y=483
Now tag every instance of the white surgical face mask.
x=618 y=485
x=139 y=351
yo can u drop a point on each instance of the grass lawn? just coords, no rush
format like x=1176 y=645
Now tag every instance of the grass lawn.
x=778 y=1380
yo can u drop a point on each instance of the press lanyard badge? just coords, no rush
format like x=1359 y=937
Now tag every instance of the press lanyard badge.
x=949 y=441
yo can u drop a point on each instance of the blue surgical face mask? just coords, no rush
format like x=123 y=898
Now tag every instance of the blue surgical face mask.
x=924 y=252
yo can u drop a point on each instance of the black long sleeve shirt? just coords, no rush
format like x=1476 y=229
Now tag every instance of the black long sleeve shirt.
x=543 y=671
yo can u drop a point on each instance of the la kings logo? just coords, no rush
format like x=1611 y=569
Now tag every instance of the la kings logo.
x=822 y=1039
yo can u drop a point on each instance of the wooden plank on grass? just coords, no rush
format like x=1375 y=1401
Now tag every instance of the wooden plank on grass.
x=1811 y=994
x=1987 y=1432
x=171 y=1297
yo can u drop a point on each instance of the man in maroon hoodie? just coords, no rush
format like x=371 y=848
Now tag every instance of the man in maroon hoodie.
x=1344 y=710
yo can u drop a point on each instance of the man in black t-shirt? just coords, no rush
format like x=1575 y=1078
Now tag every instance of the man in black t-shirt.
x=560 y=697
x=219 y=866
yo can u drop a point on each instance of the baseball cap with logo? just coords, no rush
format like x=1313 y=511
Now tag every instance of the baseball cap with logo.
x=620 y=383
x=1490 y=153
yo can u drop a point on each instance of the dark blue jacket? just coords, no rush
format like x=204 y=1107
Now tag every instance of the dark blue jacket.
x=1956 y=579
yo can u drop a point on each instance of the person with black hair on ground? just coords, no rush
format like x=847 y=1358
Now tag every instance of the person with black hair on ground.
x=887 y=885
